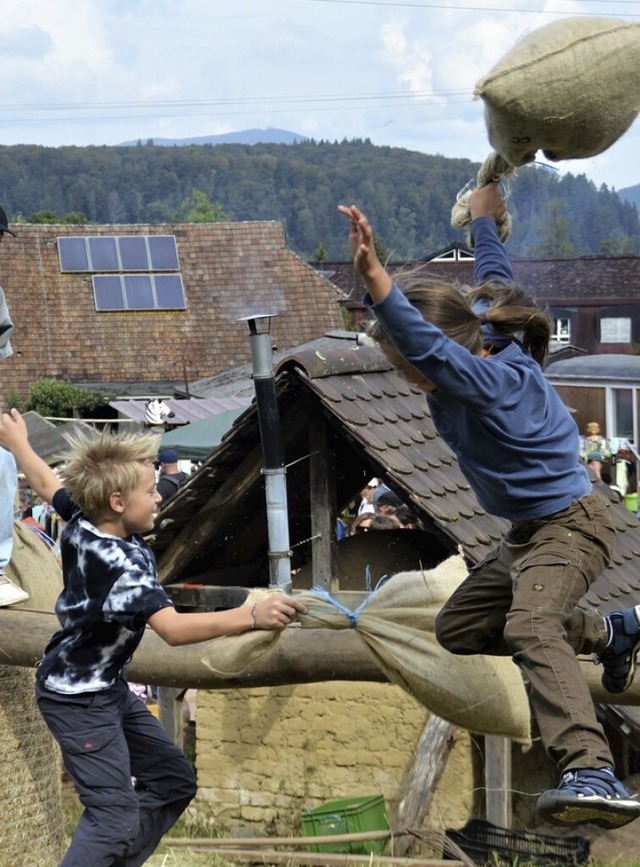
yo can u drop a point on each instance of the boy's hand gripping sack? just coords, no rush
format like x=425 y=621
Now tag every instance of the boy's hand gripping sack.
x=570 y=89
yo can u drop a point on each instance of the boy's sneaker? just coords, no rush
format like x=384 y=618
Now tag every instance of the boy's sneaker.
x=589 y=795
x=619 y=658
x=9 y=593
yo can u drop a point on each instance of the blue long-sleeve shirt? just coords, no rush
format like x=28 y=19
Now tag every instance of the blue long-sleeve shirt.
x=516 y=442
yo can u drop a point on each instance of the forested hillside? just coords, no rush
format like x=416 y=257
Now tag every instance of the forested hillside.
x=631 y=194
x=407 y=195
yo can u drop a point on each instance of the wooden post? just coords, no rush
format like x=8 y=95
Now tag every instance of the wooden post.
x=497 y=777
x=430 y=759
x=170 y=712
x=323 y=506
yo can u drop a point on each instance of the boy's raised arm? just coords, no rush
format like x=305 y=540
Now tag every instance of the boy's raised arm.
x=15 y=438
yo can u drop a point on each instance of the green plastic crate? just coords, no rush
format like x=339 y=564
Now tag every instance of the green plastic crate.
x=349 y=816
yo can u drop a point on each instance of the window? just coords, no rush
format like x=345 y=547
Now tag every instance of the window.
x=562 y=331
x=615 y=329
x=622 y=412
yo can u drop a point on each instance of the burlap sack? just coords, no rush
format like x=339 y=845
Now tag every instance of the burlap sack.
x=570 y=88
x=480 y=693
x=35 y=568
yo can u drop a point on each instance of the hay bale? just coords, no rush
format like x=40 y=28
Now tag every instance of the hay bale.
x=570 y=88
x=31 y=828
x=30 y=804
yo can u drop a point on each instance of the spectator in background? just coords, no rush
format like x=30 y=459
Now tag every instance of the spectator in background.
x=9 y=592
x=388 y=503
x=593 y=448
x=366 y=494
x=370 y=521
x=171 y=477
x=408 y=519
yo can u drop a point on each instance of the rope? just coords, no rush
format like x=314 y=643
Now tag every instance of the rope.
x=351 y=615
x=494 y=168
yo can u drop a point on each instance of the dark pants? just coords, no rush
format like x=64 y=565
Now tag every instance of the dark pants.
x=521 y=601
x=107 y=738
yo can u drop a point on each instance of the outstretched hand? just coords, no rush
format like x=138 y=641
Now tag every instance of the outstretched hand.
x=487 y=201
x=277 y=611
x=13 y=429
x=365 y=258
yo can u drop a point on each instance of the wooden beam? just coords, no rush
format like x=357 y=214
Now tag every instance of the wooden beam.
x=215 y=512
x=430 y=759
x=497 y=778
x=301 y=656
x=320 y=859
x=322 y=496
x=170 y=712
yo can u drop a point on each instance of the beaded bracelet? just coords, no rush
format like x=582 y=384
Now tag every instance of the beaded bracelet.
x=254 y=615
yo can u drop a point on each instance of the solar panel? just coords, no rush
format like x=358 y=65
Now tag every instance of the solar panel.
x=107 y=292
x=118 y=253
x=163 y=252
x=138 y=292
x=169 y=292
x=125 y=254
x=73 y=254
x=103 y=254
x=134 y=255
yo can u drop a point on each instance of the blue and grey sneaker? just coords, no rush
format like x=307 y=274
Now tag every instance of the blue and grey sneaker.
x=589 y=795
x=619 y=657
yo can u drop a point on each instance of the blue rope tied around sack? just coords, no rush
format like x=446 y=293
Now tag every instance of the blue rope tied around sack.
x=351 y=615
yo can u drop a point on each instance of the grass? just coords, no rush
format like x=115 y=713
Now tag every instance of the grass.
x=196 y=823
x=200 y=823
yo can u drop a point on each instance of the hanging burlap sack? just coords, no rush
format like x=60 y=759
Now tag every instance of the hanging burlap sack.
x=31 y=830
x=396 y=623
x=570 y=89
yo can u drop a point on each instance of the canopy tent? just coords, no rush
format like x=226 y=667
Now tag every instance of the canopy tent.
x=196 y=440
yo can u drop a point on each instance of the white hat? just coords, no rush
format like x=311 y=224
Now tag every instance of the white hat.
x=372 y=483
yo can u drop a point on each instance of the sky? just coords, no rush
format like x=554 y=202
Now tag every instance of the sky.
x=402 y=74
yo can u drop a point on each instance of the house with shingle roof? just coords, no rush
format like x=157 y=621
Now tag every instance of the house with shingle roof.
x=143 y=309
x=594 y=300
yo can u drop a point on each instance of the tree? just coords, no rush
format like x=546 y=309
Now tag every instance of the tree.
x=50 y=397
x=43 y=217
x=554 y=238
x=198 y=209
x=75 y=218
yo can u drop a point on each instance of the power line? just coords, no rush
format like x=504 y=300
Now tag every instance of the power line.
x=450 y=8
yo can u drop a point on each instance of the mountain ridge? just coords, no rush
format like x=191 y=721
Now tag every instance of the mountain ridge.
x=269 y=135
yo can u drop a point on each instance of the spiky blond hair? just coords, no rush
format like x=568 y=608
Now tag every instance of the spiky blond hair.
x=102 y=464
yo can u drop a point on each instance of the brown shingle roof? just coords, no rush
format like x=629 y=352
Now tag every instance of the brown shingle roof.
x=226 y=268
x=587 y=280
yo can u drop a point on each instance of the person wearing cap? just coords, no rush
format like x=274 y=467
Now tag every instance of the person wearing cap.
x=366 y=497
x=171 y=477
x=478 y=355
x=387 y=503
x=9 y=593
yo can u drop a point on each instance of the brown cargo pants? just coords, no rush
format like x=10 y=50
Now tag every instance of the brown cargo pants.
x=521 y=601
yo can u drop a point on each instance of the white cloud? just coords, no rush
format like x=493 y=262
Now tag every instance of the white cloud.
x=104 y=71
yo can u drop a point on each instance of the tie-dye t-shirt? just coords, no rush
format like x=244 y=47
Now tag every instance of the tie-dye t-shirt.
x=110 y=591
